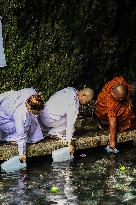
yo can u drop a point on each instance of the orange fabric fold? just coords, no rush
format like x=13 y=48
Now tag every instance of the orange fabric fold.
x=107 y=106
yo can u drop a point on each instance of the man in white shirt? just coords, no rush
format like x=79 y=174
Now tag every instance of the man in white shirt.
x=18 y=118
x=61 y=111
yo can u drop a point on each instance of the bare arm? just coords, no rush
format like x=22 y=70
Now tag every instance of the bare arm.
x=113 y=131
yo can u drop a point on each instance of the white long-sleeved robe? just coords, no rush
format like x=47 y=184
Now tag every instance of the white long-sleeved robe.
x=16 y=123
x=60 y=112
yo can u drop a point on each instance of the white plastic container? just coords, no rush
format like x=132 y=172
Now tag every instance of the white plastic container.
x=13 y=164
x=61 y=155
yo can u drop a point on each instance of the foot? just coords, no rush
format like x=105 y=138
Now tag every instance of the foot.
x=56 y=137
x=13 y=142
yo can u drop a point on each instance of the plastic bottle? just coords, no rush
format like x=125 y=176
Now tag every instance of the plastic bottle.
x=13 y=164
x=61 y=155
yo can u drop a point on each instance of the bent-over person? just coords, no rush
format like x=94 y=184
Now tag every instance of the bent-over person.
x=114 y=106
x=61 y=111
x=18 y=118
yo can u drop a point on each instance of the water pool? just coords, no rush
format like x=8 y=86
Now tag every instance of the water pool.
x=92 y=178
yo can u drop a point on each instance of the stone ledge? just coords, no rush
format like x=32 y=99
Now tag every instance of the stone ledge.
x=86 y=137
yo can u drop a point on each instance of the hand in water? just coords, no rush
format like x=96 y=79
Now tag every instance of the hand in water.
x=111 y=150
x=22 y=158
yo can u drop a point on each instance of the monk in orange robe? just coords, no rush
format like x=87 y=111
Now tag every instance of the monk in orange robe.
x=114 y=106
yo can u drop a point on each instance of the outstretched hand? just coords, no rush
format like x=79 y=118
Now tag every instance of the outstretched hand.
x=109 y=149
x=22 y=158
x=71 y=148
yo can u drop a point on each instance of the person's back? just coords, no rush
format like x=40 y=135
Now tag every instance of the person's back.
x=114 y=109
x=61 y=111
x=59 y=102
x=11 y=100
x=18 y=117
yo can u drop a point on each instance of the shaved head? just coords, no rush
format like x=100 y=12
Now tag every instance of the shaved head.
x=85 y=95
x=88 y=92
x=120 y=91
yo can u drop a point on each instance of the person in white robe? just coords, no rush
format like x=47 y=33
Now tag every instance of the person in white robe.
x=18 y=118
x=61 y=111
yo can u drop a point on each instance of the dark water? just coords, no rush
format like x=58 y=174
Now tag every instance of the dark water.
x=94 y=179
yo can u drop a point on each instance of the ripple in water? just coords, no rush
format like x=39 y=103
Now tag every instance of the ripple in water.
x=92 y=180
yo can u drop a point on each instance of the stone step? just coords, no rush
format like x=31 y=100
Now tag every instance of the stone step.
x=87 y=135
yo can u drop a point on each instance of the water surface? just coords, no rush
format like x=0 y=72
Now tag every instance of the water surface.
x=92 y=178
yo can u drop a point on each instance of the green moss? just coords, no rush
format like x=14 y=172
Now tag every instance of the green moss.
x=44 y=56
x=53 y=44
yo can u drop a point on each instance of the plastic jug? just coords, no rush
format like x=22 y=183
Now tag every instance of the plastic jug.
x=61 y=155
x=13 y=164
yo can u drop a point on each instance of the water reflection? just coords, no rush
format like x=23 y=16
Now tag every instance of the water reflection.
x=62 y=178
x=109 y=193
x=12 y=189
x=92 y=180
x=117 y=188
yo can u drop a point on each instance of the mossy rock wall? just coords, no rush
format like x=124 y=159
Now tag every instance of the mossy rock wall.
x=51 y=44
